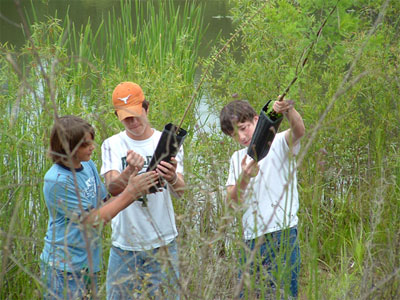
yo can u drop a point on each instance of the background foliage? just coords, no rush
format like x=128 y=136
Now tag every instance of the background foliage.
x=349 y=170
x=349 y=173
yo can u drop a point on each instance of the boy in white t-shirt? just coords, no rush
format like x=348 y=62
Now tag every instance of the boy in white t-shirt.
x=144 y=256
x=267 y=190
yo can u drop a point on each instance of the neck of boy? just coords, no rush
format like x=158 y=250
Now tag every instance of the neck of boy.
x=146 y=134
x=75 y=164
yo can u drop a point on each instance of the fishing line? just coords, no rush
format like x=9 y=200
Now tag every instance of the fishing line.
x=214 y=60
x=172 y=137
x=268 y=120
x=306 y=52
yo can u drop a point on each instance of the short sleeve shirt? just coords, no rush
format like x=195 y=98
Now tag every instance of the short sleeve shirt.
x=68 y=196
x=271 y=199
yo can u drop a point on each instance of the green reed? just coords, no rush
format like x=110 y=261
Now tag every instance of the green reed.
x=349 y=178
x=347 y=181
x=61 y=70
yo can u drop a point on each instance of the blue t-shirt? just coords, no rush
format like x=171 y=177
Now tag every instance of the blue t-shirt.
x=65 y=246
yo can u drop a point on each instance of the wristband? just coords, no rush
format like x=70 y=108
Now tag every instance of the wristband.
x=175 y=180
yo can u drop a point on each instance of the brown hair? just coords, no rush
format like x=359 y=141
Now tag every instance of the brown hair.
x=237 y=111
x=145 y=105
x=67 y=134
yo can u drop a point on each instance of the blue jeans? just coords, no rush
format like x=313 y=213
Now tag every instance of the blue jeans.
x=151 y=273
x=67 y=285
x=277 y=262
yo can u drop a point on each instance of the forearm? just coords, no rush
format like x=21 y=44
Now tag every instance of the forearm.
x=112 y=207
x=249 y=170
x=235 y=193
x=177 y=184
x=297 y=127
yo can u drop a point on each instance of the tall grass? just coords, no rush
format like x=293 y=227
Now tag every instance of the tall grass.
x=61 y=70
x=349 y=173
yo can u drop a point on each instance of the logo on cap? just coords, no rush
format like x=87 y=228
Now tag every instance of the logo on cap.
x=125 y=98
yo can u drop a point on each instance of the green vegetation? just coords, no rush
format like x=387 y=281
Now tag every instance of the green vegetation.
x=348 y=95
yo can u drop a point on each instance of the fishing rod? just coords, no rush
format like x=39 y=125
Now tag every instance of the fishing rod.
x=307 y=52
x=172 y=136
x=224 y=47
x=269 y=121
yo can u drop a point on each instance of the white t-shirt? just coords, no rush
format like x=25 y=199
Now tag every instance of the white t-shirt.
x=271 y=198
x=140 y=226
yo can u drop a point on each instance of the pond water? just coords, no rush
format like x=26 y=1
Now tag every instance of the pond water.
x=216 y=16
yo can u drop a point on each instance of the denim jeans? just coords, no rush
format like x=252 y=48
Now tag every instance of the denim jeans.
x=60 y=284
x=153 y=273
x=277 y=263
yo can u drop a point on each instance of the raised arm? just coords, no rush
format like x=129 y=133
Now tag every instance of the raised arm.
x=297 y=128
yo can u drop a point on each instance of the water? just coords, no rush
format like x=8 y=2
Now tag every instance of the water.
x=206 y=119
x=216 y=16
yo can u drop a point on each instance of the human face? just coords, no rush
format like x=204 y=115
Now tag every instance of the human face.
x=138 y=128
x=85 y=150
x=244 y=131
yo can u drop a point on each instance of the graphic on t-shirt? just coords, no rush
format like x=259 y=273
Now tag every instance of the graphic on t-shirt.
x=123 y=162
x=90 y=188
x=146 y=163
x=143 y=170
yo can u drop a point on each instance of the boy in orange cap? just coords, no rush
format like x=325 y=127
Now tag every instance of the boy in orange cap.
x=144 y=254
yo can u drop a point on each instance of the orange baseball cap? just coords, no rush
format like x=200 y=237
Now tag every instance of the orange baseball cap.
x=127 y=100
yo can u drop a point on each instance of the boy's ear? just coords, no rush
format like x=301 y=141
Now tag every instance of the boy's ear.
x=255 y=119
